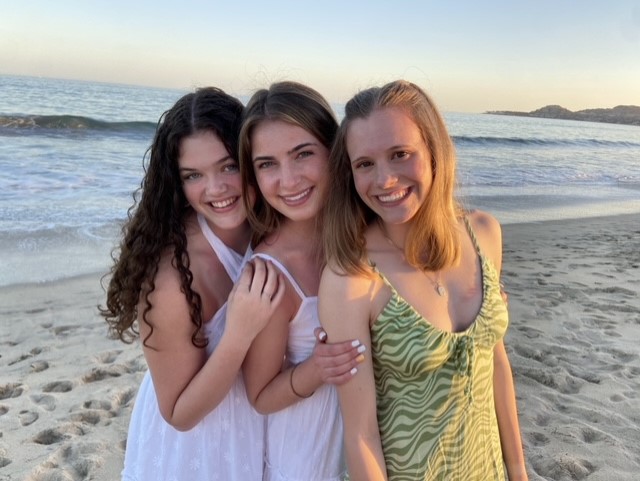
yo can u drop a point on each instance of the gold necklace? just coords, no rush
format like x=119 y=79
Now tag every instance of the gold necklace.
x=440 y=289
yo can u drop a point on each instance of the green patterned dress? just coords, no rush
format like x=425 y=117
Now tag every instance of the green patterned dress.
x=434 y=390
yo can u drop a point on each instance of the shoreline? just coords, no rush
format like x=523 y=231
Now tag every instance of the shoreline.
x=68 y=390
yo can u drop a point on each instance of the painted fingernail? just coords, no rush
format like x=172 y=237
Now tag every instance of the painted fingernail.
x=323 y=335
x=353 y=371
x=362 y=348
x=360 y=358
x=355 y=343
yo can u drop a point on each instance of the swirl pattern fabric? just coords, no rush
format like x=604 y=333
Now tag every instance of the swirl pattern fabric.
x=434 y=389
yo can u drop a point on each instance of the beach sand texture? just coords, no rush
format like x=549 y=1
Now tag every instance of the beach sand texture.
x=66 y=390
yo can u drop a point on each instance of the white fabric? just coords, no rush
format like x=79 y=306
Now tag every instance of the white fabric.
x=227 y=445
x=304 y=441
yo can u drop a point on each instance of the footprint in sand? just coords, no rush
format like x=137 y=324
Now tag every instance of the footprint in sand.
x=11 y=390
x=98 y=374
x=39 y=366
x=108 y=357
x=27 y=417
x=58 y=386
x=58 y=434
x=3 y=410
x=563 y=467
x=45 y=401
x=96 y=404
x=537 y=439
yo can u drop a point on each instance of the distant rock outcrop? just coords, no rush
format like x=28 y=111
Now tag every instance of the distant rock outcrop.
x=622 y=114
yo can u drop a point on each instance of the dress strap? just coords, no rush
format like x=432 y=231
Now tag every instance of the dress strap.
x=382 y=276
x=284 y=270
x=472 y=234
x=230 y=259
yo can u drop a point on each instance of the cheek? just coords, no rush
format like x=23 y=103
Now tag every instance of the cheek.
x=360 y=182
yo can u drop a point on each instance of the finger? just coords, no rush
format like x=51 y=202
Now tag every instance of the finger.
x=271 y=280
x=244 y=281
x=278 y=295
x=335 y=349
x=341 y=378
x=259 y=274
x=320 y=334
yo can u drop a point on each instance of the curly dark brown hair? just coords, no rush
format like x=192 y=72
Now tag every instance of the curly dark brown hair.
x=156 y=220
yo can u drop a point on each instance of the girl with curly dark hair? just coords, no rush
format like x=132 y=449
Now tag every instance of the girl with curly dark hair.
x=172 y=284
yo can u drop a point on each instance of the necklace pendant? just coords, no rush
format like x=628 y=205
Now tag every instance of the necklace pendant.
x=441 y=290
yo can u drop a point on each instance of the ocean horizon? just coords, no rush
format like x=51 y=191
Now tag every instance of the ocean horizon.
x=72 y=154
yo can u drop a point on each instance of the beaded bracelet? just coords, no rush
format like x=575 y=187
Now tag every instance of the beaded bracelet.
x=295 y=366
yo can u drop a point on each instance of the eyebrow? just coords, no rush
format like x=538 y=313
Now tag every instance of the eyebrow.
x=390 y=149
x=217 y=162
x=289 y=152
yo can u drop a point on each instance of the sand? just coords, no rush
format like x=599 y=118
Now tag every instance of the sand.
x=66 y=390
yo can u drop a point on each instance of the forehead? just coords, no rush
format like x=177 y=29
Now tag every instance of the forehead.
x=382 y=129
x=269 y=134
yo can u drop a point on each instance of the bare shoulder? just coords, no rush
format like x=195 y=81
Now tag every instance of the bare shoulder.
x=489 y=234
x=345 y=296
x=169 y=314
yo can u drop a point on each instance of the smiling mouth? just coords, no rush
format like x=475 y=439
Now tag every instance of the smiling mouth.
x=393 y=197
x=295 y=199
x=221 y=204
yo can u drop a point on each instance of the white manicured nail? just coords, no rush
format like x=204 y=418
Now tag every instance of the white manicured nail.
x=355 y=343
x=354 y=371
x=362 y=348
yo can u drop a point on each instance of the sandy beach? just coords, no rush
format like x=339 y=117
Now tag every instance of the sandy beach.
x=66 y=389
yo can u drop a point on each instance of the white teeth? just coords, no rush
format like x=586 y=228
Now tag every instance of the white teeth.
x=296 y=198
x=394 y=196
x=224 y=203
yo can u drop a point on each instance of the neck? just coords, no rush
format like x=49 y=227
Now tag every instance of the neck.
x=238 y=238
x=395 y=234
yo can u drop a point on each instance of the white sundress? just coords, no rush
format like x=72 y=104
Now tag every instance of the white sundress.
x=304 y=440
x=227 y=445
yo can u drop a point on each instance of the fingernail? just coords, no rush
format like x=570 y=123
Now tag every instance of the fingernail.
x=355 y=343
x=323 y=335
x=360 y=358
x=353 y=371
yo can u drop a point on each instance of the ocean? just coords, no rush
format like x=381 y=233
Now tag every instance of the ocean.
x=71 y=155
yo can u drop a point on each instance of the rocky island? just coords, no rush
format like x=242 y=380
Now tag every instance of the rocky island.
x=622 y=114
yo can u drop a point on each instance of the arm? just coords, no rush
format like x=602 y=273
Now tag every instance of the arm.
x=346 y=298
x=269 y=387
x=189 y=385
x=490 y=236
x=506 y=412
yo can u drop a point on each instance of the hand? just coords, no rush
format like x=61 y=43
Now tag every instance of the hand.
x=503 y=293
x=254 y=299
x=336 y=362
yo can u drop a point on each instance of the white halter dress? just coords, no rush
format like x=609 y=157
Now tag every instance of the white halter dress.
x=227 y=445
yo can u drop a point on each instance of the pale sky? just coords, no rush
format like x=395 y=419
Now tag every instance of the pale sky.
x=470 y=55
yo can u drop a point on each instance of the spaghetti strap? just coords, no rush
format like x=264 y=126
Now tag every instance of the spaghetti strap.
x=383 y=277
x=472 y=234
x=230 y=259
x=284 y=270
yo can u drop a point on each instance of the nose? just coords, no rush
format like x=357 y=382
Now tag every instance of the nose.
x=216 y=185
x=385 y=177
x=289 y=176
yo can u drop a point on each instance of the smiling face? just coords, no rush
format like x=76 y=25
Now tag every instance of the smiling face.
x=211 y=181
x=391 y=163
x=291 y=168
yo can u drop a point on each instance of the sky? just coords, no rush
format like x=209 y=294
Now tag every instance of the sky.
x=470 y=55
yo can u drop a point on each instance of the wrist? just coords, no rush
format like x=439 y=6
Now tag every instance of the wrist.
x=297 y=386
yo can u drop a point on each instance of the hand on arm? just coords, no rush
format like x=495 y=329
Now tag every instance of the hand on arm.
x=336 y=361
x=188 y=384
x=344 y=307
